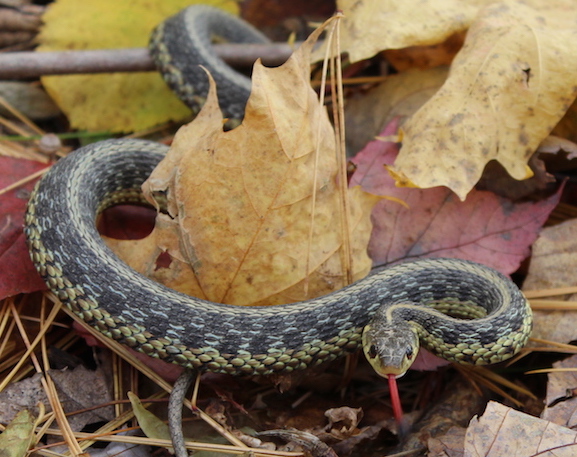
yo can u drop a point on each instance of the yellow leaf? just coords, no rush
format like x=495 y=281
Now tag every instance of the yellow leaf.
x=116 y=102
x=509 y=85
x=373 y=26
x=243 y=199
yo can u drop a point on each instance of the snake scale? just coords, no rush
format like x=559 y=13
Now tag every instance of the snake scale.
x=459 y=310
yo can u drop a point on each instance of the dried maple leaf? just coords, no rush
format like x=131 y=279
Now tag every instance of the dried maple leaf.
x=255 y=213
x=509 y=85
x=371 y=27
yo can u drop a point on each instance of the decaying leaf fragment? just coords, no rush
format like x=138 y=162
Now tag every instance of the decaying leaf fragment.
x=509 y=85
x=257 y=208
x=504 y=431
x=553 y=264
x=561 y=399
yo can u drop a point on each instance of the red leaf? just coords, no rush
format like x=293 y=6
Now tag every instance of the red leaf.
x=126 y=222
x=484 y=228
x=17 y=274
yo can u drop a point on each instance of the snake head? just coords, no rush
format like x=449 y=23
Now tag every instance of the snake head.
x=390 y=347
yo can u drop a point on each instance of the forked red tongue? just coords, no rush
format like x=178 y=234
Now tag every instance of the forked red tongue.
x=395 y=400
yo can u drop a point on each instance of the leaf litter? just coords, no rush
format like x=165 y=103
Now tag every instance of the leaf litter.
x=495 y=239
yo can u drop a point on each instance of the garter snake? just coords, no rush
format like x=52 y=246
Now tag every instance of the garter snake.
x=181 y=44
x=459 y=310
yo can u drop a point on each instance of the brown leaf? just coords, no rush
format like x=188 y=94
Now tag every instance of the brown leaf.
x=450 y=444
x=496 y=179
x=561 y=400
x=459 y=402
x=257 y=208
x=80 y=389
x=343 y=421
x=400 y=95
x=553 y=265
x=20 y=395
x=554 y=144
x=426 y=56
x=502 y=431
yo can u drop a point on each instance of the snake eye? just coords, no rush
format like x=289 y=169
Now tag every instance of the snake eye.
x=409 y=353
x=373 y=351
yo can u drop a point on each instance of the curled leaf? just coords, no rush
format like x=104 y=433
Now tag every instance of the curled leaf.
x=501 y=99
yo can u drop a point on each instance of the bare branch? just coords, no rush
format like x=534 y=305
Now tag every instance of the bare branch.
x=24 y=65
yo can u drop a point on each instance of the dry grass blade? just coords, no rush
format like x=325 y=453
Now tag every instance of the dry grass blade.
x=333 y=49
x=491 y=380
x=228 y=449
x=339 y=121
x=551 y=346
x=23 y=181
x=63 y=423
x=104 y=433
x=540 y=293
x=32 y=346
x=46 y=380
x=21 y=117
x=553 y=305
x=552 y=370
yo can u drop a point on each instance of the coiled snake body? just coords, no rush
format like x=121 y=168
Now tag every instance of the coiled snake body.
x=490 y=321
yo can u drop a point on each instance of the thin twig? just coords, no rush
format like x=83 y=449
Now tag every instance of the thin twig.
x=23 y=181
x=223 y=448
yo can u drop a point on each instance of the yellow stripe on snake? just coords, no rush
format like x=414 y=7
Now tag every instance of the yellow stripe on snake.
x=487 y=318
